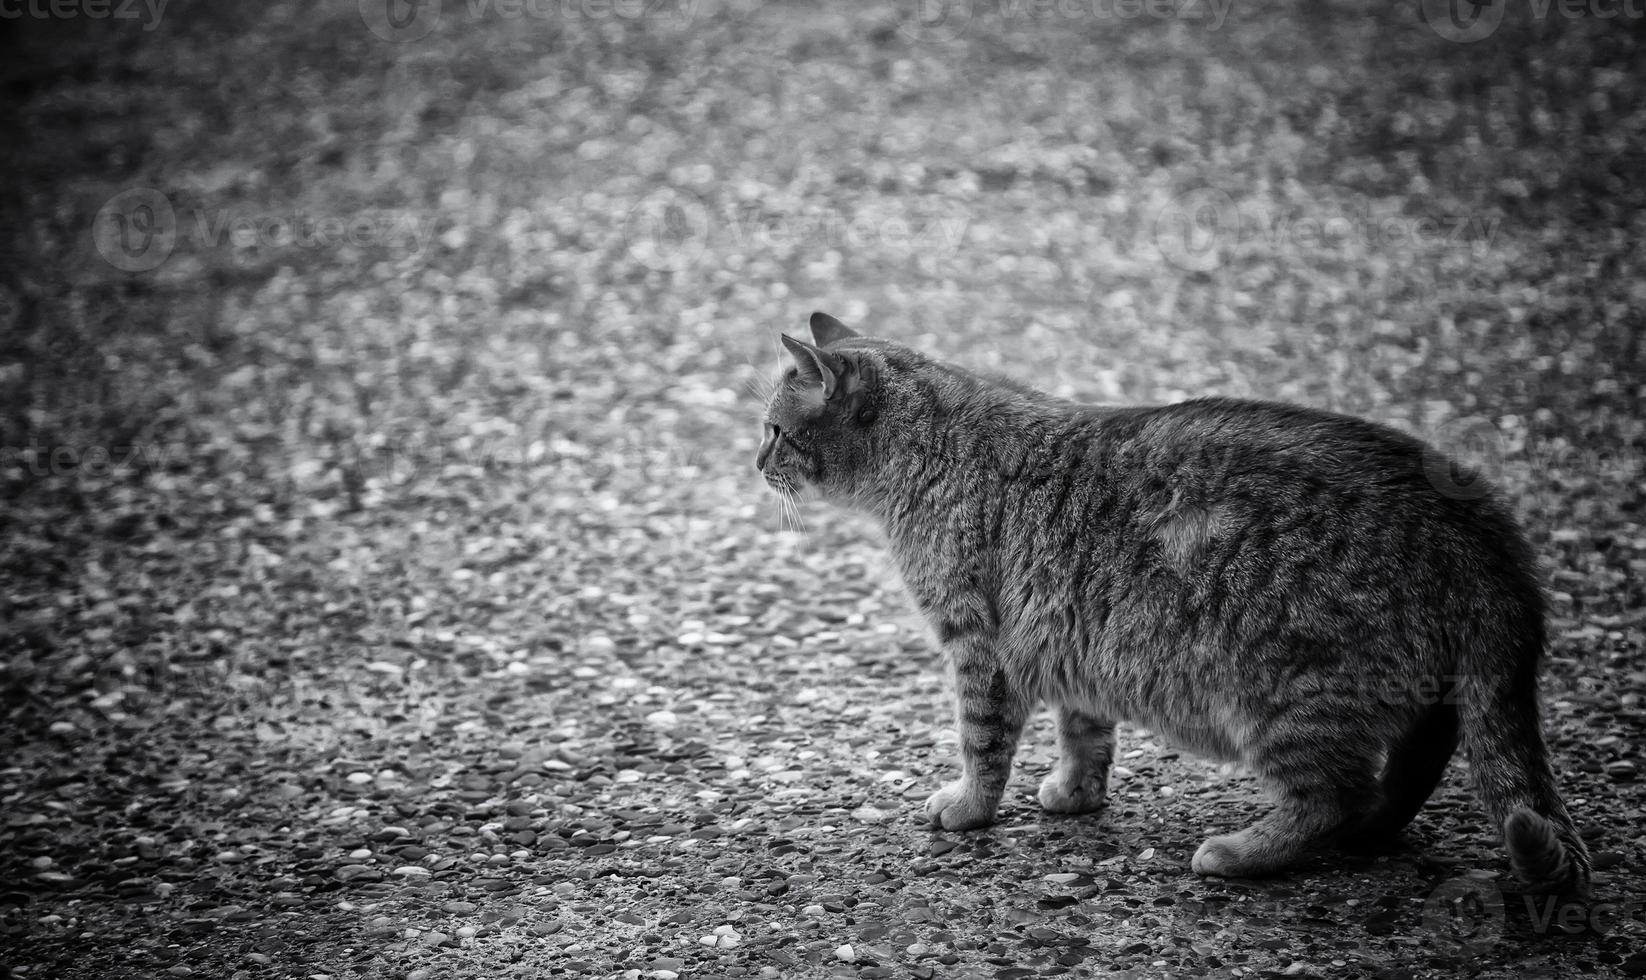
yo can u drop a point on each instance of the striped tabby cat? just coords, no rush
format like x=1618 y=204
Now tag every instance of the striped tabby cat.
x=1274 y=585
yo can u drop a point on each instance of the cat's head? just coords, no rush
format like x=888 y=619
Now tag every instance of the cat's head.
x=826 y=422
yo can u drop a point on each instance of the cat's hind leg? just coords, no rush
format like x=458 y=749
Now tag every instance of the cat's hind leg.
x=1324 y=780
x=1085 y=746
x=1417 y=762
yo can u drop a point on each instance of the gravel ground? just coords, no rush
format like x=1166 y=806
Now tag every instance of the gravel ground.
x=387 y=590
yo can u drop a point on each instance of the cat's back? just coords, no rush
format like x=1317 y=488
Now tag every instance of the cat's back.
x=1328 y=475
x=1308 y=441
x=1276 y=449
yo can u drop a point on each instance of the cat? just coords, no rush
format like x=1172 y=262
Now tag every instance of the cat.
x=1299 y=591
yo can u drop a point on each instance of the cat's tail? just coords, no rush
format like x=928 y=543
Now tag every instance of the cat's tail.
x=1503 y=733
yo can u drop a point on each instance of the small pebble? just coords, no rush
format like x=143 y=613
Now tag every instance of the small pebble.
x=845 y=954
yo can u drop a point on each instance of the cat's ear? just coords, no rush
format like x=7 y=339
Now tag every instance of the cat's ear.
x=817 y=364
x=826 y=329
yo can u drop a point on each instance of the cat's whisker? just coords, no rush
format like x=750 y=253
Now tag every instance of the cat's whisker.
x=791 y=508
x=762 y=384
x=761 y=387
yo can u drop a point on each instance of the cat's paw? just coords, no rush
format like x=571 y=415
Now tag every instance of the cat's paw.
x=1057 y=796
x=958 y=806
x=1217 y=856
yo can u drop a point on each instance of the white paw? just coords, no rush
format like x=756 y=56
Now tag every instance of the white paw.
x=1057 y=797
x=1217 y=856
x=958 y=806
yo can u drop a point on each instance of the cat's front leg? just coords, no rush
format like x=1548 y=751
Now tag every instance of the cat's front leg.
x=1085 y=746
x=991 y=713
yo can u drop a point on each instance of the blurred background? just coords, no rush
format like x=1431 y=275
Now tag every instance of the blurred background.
x=372 y=369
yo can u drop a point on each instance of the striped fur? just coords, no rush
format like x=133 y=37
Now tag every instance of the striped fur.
x=1262 y=583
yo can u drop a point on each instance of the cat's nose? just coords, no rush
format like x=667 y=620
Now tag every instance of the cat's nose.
x=767 y=444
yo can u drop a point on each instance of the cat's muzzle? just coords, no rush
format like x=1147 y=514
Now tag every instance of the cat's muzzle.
x=768 y=445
